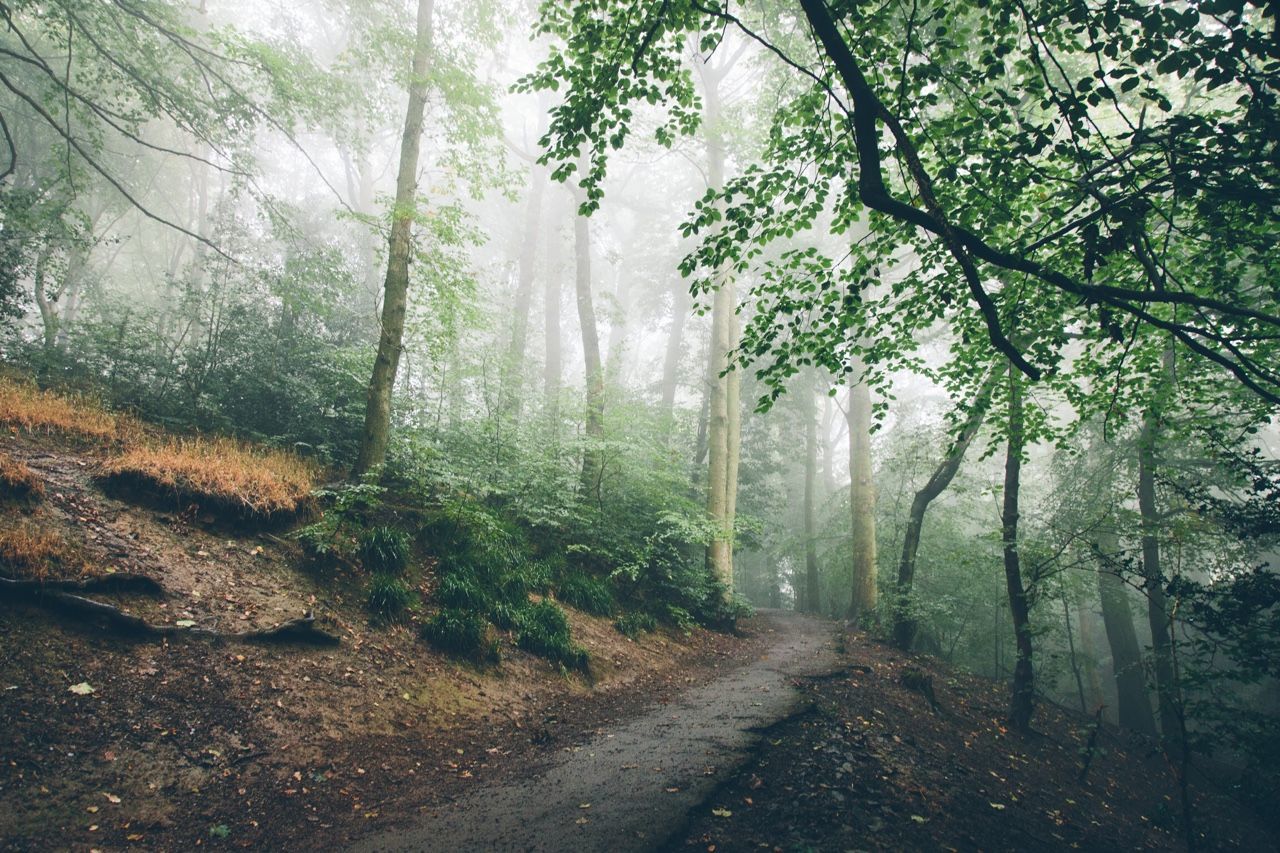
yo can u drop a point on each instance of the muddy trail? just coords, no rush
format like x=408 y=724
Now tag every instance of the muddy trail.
x=633 y=787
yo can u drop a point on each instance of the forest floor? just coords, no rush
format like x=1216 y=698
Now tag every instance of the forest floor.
x=789 y=736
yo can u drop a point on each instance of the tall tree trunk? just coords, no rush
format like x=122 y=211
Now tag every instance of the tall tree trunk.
x=1022 y=700
x=681 y=303
x=813 y=591
x=1153 y=578
x=1133 y=704
x=862 y=503
x=904 y=626
x=724 y=424
x=552 y=368
x=377 y=420
x=591 y=456
x=513 y=365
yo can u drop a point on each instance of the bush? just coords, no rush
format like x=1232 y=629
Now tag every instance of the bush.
x=384 y=550
x=588 y=594
x=462 y=633
x=507 y=616
x=633 y=624
x=544 y=631
x=388 y=596
x=461 y=590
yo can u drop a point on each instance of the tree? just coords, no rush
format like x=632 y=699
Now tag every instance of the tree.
x=1022 y=701
x=862 y=503
x=377 y=421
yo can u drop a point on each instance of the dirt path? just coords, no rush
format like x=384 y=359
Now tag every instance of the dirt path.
x=631 y=789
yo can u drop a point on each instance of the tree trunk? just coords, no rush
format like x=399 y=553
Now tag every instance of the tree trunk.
x=681 y=303
x=513 y=365
x=377 y=421
x=1133 y=705
x=1022 y=700
x=591 y=456
x=904 y=626
x=552 y=367
x=1153 y=577
x=813 y=592
x=862 y=503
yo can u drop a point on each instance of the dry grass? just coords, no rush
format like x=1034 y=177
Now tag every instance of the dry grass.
x=18 y=482
x=24 y=406
x=30 y=553
x=218 y=474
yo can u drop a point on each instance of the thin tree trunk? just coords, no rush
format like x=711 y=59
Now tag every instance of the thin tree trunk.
x=862 y=503
x=813 y=592
x=552 y=368
x=904 y=626
x=1133 y=704
x=591 y=456
x=377 y=422
x=1153 y=575
x=513 y=366
x=681 y=302
x=1022 y=700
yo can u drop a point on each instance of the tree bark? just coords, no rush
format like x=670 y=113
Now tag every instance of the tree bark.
x=1133 y=704
x=862 y=503
x=1153 y=581
x=377 y=421
x=904 y=626
x=1022 y=699
x=552 y=368
x=813 y=591
x=591 y=456
x=513 y=365
x=681 y=303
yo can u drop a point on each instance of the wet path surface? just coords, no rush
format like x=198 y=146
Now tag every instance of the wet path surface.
x=631 y=788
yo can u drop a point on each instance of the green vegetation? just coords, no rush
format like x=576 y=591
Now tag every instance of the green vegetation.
x=389 y=596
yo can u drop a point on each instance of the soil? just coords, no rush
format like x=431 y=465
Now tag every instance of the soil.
x=764 y=740
x=866 y=763
x=190 y=742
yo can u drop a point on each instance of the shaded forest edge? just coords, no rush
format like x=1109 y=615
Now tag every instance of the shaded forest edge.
x=901 y=752
x=455 y=649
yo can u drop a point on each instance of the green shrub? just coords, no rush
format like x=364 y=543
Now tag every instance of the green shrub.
x=384 y=550
x=633 y=624
x=588 y=594
x=506 y=615
x=461 y=590
x=462 y=633
x=544 y=631
x=388 y=596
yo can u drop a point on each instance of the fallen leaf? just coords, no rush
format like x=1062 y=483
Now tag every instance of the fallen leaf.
x=81 y=689
x=918 y=818
x=997 y=806
x=112 y=798
x=185 y=623
x=722 y=813
x=584 y=805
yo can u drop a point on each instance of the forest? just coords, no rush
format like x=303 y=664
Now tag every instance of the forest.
x=639 y=425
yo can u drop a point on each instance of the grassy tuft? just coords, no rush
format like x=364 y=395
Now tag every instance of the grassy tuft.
x=29 y=553
x=544 y=631
x=219 y=473
x=631 y=625
x=384 y=550
x=18 y=482
x=26 y=407
x=388 y=596
x=462 y=633
x=588 y=594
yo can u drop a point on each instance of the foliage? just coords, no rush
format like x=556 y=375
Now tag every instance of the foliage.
x=463 y=633
x=588 y=594
x=384 y=550
x=346 y=509
x=544 y=631
x=388 y=596
x=635 y=623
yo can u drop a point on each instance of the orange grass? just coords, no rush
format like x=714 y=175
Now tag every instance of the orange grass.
x=26 y=407
x=255 y=481
x=29 y=553
x=17 y=481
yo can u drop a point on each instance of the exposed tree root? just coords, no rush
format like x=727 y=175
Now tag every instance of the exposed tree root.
x=116 y=583
x=50 y=595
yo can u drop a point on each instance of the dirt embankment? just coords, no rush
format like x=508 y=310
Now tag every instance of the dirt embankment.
x=168 y=743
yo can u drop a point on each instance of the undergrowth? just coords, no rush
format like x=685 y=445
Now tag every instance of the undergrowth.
x=388 y=596
x=32 y=410
x=18 y=482
x=219 y=474
x=30 y=553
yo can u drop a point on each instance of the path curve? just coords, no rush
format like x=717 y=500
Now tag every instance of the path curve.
x=615 y=792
